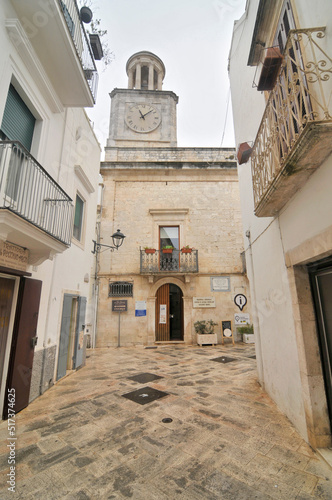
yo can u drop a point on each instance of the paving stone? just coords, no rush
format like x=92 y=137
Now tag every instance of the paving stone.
x=227 y=440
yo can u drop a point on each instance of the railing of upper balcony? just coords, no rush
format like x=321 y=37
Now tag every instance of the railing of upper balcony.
x=301 y=96
x=76 y=29
x=175 y=262
x=30 y=192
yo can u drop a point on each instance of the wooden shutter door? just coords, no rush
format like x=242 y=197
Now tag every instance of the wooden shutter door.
x=162 y=329
x=22 y=352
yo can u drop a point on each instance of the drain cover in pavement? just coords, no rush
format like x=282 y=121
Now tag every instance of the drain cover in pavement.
x=224 y=359
x=145 y=395
x=143 y=378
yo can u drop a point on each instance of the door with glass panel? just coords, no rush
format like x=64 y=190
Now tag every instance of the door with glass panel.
x=169 y=313
x=169 y=245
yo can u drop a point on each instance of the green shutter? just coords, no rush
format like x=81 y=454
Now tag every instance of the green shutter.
x=18 y=122
x=78 y=218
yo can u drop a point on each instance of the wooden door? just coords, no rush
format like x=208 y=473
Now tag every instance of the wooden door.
x=6 y=300
x=175 y=313
x=162 y=314
x=22 y=350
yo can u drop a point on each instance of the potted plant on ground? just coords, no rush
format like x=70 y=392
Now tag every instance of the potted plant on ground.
x=186 y=249
x=167 y=249
x=247 y=332
x=149 y=250
x=205 y=332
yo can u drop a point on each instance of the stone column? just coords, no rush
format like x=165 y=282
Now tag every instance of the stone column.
x=151 y=79
x=131 y=79
x=138 y=76
x=151 y=319
x=160 y=81
x=187 y=313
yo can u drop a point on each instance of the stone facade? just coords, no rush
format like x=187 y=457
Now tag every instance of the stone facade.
x=202 y=199
x=121 y=135
x=149 y=185
x=286 y=252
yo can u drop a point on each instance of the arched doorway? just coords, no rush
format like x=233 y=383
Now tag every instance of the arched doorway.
x=169 y=313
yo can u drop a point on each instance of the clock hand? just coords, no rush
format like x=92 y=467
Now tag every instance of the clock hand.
x=142 y=116
x=147 y=113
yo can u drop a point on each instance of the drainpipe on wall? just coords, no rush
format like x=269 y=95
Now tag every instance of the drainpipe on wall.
x=260 y=367
x=96 y=283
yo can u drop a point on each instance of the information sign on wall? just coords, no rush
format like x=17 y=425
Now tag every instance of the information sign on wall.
x=13 y=256
x=241 y=319
x=162 y=314
x=140 y=308
x=119 y=305
x=204 y=302
x=220 y=284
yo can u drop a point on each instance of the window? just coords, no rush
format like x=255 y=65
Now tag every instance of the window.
x=78 y=219
x=120 y=289
x=169 y=236
x=169 y=257
x=18 y=122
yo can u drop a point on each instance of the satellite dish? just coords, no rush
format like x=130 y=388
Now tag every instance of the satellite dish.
x=86 y=15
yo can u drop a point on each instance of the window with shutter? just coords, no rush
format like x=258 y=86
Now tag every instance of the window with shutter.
x=78 y=219
x=18 y=122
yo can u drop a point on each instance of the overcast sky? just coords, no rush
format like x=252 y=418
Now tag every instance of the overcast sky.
x=192 y=37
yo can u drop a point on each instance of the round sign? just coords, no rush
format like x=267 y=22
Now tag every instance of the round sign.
x=227 y=332
x=240 y=300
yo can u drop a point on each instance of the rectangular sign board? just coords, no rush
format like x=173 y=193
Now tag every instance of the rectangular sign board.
x=162 y=314
x=119 y=305
x=140 y=308
x=220 y=284
x=241 y=319
x=204 y=302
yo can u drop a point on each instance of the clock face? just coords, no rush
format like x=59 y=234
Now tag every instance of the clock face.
x=143 y=118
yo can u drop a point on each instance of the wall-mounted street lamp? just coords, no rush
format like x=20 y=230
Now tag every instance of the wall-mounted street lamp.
x=117 y=239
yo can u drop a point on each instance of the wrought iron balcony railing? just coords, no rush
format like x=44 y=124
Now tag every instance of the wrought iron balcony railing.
x=294 y=136
x=81 y=43
x=175 y=262
x=30 y=192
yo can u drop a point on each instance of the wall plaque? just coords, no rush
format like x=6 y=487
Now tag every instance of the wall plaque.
x=13 y=256
x=204 y=302
x=220 y=284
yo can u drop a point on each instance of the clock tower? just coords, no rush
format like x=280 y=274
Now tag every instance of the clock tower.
x=143 y=115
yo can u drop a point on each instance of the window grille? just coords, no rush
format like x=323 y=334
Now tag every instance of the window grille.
x=120 y=289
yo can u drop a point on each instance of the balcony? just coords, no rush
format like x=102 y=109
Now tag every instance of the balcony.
x=295 y=134
x=54 y=32
x=176 y=262
x=35 y=213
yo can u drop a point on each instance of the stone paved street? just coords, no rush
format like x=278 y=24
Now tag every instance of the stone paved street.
x=227 y=440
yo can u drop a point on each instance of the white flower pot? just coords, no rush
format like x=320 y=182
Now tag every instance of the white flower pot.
x=208 y=338
x=248 y=338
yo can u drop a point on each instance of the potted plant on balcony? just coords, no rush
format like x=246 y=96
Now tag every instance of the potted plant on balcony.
x=167 y=249
x=205 y=332
x=149 y=250
x=247 y=332
x=186 y=249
